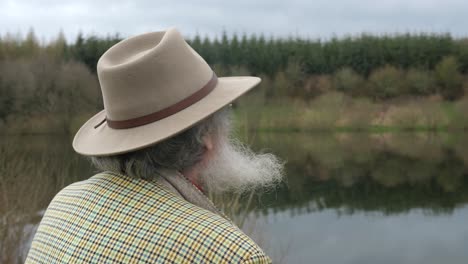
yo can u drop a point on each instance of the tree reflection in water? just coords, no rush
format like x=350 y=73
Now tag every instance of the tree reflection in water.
x=389 y=173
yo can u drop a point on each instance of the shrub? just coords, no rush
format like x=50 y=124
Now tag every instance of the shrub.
x=280 y=87
x=460 y=119
x=294 y=74
x=359 y=114
x=32 y=90
x=417 y=114
x=348 y=81
x=17 y=86
x=316 y=85
x=323 y=112
x=449 y=78
x=462 y=54
x=6 y=100
x=288 y=82
x=239 y=71
x=420 y=82
x=386 y=83
x=405 y=117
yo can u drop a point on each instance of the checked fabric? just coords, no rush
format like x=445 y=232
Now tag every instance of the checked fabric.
x=117 y=219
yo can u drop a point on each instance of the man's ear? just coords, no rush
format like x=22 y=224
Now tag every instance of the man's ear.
x=208 y=142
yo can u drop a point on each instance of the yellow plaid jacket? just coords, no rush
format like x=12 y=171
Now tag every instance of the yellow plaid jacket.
x=117 y=219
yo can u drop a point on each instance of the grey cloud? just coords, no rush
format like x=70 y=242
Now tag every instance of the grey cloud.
x=319 y=18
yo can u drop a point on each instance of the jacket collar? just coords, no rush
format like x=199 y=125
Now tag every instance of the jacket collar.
x=181 y=186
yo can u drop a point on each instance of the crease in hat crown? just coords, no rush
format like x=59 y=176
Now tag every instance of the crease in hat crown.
x=147 y=73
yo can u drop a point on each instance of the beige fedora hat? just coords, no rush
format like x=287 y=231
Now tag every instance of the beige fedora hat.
x=154 y=86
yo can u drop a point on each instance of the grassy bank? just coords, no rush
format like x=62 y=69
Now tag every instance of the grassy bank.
x=338 y=112
x=333 y=112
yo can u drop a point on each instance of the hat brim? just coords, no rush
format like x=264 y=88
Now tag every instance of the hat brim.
x=105 y=141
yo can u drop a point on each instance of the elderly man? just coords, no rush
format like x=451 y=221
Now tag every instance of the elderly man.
x=162 y=143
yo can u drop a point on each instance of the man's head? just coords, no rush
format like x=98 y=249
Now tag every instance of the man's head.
x=221 y=163
x=162 y=106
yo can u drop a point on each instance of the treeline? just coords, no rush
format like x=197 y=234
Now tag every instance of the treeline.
x=378 y=67
x=38 y=78
x=261 y=55
x=43 y=86
x=87 y=50
x=362 y=53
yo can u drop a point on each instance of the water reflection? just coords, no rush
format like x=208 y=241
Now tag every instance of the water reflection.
x=341 y=188
x=389 y=173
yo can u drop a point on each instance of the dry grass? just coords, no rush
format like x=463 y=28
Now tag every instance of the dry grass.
x=32 y=171
x=415 y=115
x=335 y=111
x=239 y=208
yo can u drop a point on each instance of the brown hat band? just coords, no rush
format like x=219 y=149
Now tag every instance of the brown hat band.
x=168 y=111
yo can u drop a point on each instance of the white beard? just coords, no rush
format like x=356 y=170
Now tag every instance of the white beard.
x=234 y=167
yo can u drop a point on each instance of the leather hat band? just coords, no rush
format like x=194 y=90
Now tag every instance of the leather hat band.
x=168 y=111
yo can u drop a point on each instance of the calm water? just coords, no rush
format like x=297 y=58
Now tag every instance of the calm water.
x=349 y=198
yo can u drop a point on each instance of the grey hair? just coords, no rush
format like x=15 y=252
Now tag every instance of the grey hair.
x=177 y=152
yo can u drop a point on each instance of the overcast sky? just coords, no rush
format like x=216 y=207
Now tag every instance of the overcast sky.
x=308 y=18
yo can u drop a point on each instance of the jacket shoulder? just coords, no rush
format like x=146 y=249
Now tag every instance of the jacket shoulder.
x=109 y=218
x=259 y=258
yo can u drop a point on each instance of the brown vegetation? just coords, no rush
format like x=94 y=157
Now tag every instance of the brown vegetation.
x=52 y=88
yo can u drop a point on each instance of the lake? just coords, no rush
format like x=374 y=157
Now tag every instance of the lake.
x=349 y=197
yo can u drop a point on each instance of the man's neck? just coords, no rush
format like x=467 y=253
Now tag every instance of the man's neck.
x=193 y=175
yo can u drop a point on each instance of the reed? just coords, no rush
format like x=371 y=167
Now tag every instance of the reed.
x=32 y=171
